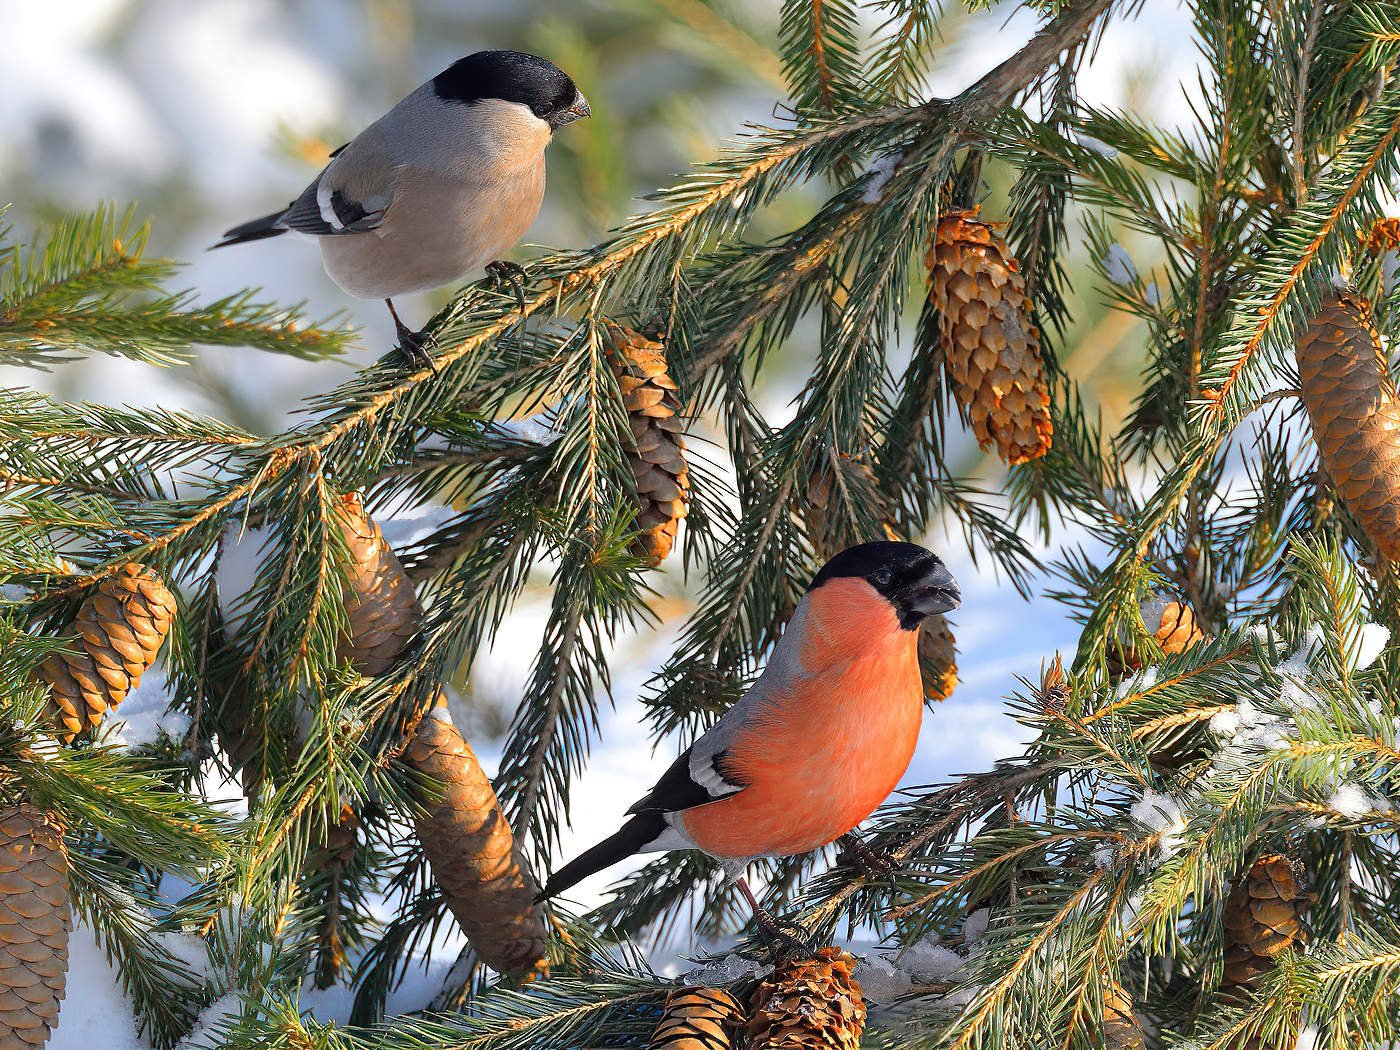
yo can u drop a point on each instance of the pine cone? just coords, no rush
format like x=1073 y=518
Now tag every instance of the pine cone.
x=34 y=923
x=657 y=455
x=1121 y=1030
x=1263 y=918
x=938 y=658
x=1054 y=686
x=1177 y=630
x=991 y=345
x=380 y=604
x=1383 y=237
x=809 y=1004
x=120 y=629
x=1355 y=415
x=697 y=1019
x=473 y=854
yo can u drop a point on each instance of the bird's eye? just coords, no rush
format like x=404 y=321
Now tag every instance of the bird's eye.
x=881 y=577
x=540 y=110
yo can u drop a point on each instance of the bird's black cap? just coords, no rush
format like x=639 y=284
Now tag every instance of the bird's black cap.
x=512 y=76
x=914 y=580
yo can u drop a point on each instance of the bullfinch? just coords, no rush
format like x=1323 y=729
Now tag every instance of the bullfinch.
x=818 y=741
x=443 y=184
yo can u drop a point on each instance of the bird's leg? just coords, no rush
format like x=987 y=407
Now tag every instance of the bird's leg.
x=774 y=931
x=874 y=864
x=413 y=345
x=503 y=272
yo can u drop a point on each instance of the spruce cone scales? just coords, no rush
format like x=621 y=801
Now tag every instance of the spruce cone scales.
x=991 y=346
x=381 y=605
x=697 y=1019
x=34 y=923
x=1121 y=1030
x=1263 y=918
x=473 y=854
x=1177 y=630
x=938 y=658
x=120 y=629
x=657 y=452
x=1355 y=415
x=809 y=1004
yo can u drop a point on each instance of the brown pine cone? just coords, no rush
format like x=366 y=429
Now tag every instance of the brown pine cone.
x=1054 y=686
x=1355 y=415
x=473 y=855
x=1263 y=918
x=657 y=454
x=380 y=603
x=120 y=629
x=938 y=658
x=1177 y=630
x=35 y=919
x=809 y=1004
x=991 y=346
x=1121 y=1029
x=697 y=1019
x=1384 y=236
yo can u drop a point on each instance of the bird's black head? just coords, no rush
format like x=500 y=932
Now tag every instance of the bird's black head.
x=513 y=76
x=909 y=577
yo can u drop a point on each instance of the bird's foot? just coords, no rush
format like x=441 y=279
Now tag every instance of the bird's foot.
x=873 y=863
x=503 y=272
x=414 y=346
x=784 y=939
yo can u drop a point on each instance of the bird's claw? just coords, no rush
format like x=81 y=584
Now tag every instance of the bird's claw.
x=783 y=938
x=874 y=864
x=504 y=272
x=414 y=346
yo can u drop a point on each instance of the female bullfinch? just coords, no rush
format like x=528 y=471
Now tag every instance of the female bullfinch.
x=443 y=184
x=819 y=740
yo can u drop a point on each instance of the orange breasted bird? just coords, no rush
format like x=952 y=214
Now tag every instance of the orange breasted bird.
x=818 y=741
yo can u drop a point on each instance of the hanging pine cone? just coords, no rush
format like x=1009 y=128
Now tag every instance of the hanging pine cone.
x=938 y=658
x=1355 y=415
x=809 y=1004
x=991 y=346
x=380 y=604
x=657 y=455
x=34 y=923
x=697 y=1019
x=473 y=855
x=1177 y=630
x=1263 y=918
x=120 y=629
x=1121 y=1029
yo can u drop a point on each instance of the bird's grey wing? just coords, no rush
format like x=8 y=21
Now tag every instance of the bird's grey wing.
x=351 y=195
x=701 y=774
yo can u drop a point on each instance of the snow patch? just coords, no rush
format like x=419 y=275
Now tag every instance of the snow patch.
x=142 y=717
x=929 y=962
x=727 y=970
x=208 y=1027
x=1369 y=645
x=1099 y=146
x=880 y=174
x=242 y=552
x=880 y=980
x=1163 y=815
x=1118 y=265
x=1308 y=1039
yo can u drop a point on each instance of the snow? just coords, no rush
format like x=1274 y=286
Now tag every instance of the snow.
x=1370 y=643
x=1308 y=1039
x=975 y=926
x=881 y=981
x=1350 y=801
x=242 y=553
x=94 y=1013
x=928 y=962
x=1118 y=265
x=1098 y=146
x=206 y=1034
x=880 y=174
x=142 y=717
x=1163 y=815
x=724 y=971
x=405 y=527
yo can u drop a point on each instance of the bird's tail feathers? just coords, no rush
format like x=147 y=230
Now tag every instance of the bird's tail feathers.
x=266 y=226
x=627 y=840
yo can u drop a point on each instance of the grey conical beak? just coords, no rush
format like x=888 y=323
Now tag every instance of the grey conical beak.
x=937 y=592
x=577 y=111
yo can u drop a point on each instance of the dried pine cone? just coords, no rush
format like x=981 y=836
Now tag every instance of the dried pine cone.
x=1054 y=686
x=938 y=658
x=991 y=345
x=473 y=854
x=120 y=629
x=697 y=1019
x=1177 y=630
x=1384 y=236
x=657 y=455
x=380 y=604
x=1263 y=918
x=1121 y=1030
x=34 y=924
x=1355 y=415
x=809 y=1004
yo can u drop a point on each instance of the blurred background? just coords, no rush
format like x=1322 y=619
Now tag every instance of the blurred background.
x=209 y=112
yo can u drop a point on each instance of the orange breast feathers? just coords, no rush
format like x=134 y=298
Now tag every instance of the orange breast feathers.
x=832 y=738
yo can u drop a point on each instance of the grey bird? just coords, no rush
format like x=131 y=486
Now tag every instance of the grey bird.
x=442 y=185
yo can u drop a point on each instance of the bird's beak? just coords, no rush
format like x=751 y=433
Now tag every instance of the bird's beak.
x=577 y=111
x=937 y=592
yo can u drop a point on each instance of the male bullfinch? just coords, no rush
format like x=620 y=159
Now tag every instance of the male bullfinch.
x=819 y=740
x=443 y=184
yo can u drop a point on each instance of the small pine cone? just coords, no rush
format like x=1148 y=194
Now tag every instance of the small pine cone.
x=120 y=629
x=1383 y=237
x=1121 y=1028
x=938 y=658
x=809 y=1004
x=657 y=455
x=697 y=1019
x=473 y=855
x=34 y=923
x=1054 y=686
x=1177 y=630
x=1355 y=415
x=380 y=604
x=991 y=346
x=1263 y=918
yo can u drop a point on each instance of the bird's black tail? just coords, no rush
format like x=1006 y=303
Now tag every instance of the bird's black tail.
x=253 y=231
x=631 y=837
